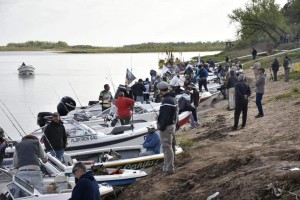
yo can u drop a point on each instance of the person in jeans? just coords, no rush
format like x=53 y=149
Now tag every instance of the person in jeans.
x=260 y=89
x=242 y=92
x=124 y=106
x=151 y=143
x=166 y=124
x=26 y=160
x=55 y=137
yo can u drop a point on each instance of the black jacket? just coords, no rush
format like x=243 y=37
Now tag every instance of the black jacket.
x=138 y=89
x=86 y=188
x=232 y=79
x=242 y=89
x=167 y=112
x=275 y=65
x=56 y=134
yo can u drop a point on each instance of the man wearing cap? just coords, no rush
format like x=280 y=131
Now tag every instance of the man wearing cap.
x=3 y=144
x=151 y=143
x=26 y=159
x=242 y=92
x=124 y=106
x=166 y=124
x=106 y=97
x=55 y=137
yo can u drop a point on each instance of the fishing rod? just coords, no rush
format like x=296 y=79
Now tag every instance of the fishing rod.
x=7 y=135
x=11 y=122
x=13 y=117
x=31 y=113
x=75 y=93
x=60 y=100
x=111 y=80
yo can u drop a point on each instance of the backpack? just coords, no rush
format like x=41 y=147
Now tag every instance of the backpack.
x=286 y=63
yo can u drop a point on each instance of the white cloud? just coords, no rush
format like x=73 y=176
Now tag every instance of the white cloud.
x=116 y=22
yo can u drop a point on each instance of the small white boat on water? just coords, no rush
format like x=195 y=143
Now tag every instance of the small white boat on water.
x=13 y=187
x=26 y=69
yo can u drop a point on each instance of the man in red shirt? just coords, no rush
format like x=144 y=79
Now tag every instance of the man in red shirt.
x=124 y=106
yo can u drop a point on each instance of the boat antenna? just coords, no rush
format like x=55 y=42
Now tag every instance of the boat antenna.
x=13 y=117
x=11 y=122
x=75 y=93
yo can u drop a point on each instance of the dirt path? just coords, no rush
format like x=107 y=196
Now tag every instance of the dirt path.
x=247 y=164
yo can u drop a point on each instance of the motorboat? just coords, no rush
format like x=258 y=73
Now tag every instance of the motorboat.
x=26 y=69
x=112 y=176
x=13 y=187
x=119 y=157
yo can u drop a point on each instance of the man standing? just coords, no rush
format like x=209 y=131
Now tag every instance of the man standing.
x=256 y=68
x=275 y=68
x=287 y=64
x=3 y=145
x=26 y=160
x=203 y=74
x=124 y=106
x=86 y=185
x=260 y=89
x=230 y=83
x=254 y=53
x=106 y=97
x=138 y=89
x=151 y=143
x=166 y=125
x=242 y=92
x=55 y=137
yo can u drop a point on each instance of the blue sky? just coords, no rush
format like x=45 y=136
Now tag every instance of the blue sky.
x=117 y=22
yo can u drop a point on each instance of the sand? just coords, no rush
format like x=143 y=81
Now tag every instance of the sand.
x=250 y=163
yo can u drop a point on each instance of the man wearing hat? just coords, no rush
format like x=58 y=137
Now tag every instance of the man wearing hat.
x=166 y=124
x=55 y=137
x=3 y=144
x=151 y=143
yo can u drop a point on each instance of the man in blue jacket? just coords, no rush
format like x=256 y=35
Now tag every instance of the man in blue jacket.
x=151 y=143
x=202 y=74
x=86 y=185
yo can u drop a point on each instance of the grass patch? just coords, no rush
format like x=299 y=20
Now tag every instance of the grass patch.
x=185 y=143
x=294 y=92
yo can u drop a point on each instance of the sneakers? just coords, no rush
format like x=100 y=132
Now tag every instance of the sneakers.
x=258 y=116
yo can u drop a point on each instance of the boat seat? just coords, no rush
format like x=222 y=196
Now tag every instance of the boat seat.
x=120 y=129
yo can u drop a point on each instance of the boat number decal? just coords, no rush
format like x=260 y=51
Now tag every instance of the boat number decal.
x=84 y=138
x=146 y=164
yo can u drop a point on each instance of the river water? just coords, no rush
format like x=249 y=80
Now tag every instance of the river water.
x=23 y=97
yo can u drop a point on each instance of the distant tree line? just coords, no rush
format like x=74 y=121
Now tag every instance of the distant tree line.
x=144 y=47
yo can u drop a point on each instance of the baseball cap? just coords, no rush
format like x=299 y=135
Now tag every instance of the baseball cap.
x=55 y=114
x=151 y=126
x=162 y=85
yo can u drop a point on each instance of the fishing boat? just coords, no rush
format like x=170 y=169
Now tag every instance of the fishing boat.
x=119 y=157
x=112 y=176
x=26 y=69
x=13 y=187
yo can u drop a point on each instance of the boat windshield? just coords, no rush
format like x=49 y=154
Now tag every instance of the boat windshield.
x=19 y=189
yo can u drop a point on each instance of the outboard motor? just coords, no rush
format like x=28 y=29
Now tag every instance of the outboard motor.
x=66 y=105
x=41 y=120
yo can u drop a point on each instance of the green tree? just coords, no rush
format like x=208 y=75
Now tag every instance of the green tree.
x=259 y=19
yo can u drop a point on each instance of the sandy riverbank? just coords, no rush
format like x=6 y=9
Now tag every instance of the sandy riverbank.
x=244 y=164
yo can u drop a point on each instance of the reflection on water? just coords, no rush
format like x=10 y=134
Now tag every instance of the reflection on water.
x=56 y=73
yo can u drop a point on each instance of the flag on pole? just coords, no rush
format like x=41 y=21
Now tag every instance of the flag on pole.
x=199 y=59
x=129 y=77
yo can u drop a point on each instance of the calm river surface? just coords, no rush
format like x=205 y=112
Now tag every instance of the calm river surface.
x=25 y=96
